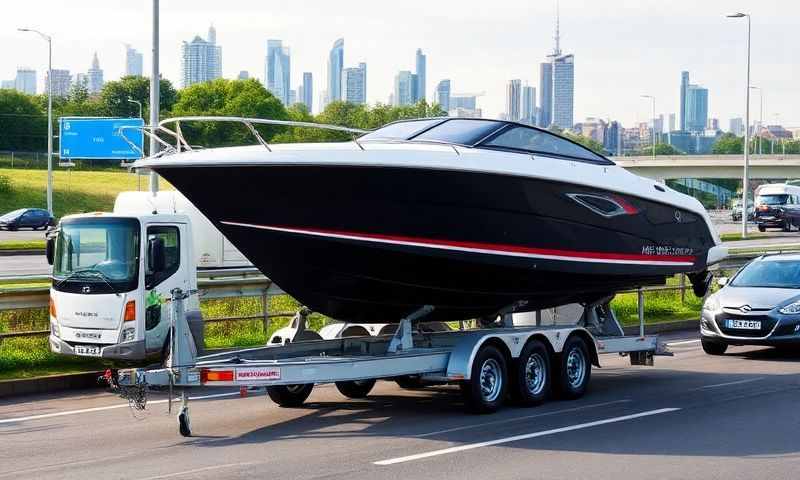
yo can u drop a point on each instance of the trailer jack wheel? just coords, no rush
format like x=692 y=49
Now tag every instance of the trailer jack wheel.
x=184 y=425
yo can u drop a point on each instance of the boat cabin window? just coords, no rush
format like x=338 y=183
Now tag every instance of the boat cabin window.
x=461 y=132
x=538 y=141
x=400 y=130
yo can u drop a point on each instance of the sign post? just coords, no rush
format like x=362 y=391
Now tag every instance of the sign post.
x=91 y=138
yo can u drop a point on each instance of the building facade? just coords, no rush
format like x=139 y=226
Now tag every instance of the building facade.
x=307 y=96
x=736 y=126
x=25 y=81
x=613 y=138
x=201 y=60
x=563 y=90
x=545 y=116
x=243 y=75
x=405 y=86
x=335 y=67
x=62 y=82
x=513 y=100
x=696 y=108
x=528 y=108
x=94 y=77
x=468 y=102
x=421 y=64
x=684 y=88
x=278 y=70
x=354 y=84
x=134 y=62
x=442 y=95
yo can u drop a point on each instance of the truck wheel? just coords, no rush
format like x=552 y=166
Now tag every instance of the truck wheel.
x=290 y=396
x=713 y=348
x=762 y=228
x=409 y=382
x=486 y=390
x=574 y=369
x=532 y=380
x=355 y=388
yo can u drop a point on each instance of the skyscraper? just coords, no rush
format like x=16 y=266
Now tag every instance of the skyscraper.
x=404 y=88
x=354 y=84
x=528 y=112
x=513 y=99
x=696 y=108
x=133 y=62
x=292 y=97
x=278 y=70
x=613 y=138
x=737 y=126
x=684 y=86
x=25 y=81
x=563 y=90
x=671 y=122
x=201 y=60
x=421 y=76
x=94 y=77
x=308 y=90
x=243 y=75
x=442 y=95
x=62 y=81
x=545 y=95
x=335 y=67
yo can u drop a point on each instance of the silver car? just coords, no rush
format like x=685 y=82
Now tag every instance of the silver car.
x=760 y=305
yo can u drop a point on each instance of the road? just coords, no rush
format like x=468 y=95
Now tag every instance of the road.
x=21 y=235
x=691 y=416
x=23 y=265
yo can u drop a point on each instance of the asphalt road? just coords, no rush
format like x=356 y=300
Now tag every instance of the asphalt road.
x=691 y=416
x=23 y=265
x=21 y=235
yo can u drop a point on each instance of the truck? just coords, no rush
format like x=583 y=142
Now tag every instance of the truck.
x=113 y=272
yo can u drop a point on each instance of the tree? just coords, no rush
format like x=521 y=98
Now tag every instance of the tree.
x=728 y=144
x=115 y=94
x=661 y=149
x=587 y=142
x=228 y=98
x=23 y=123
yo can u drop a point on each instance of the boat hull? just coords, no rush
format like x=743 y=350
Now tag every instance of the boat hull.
x=372 y=244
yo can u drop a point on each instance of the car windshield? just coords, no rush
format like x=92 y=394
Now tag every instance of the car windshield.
x=778 y=199
x=770 y=273
x=462 y=132
x=97 y=250
x=13 y=214
x=400 y=130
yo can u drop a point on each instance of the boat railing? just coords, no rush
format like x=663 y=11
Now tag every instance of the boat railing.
x=181 y=145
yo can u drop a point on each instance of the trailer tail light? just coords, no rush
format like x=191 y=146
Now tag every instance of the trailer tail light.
x=130 y=311
x=52 y=305
x=207 y=375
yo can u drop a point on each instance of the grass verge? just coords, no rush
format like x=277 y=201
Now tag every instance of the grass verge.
x=22 y=245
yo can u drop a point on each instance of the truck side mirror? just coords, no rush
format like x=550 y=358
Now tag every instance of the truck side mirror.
x=50 y=249
x=156 y=258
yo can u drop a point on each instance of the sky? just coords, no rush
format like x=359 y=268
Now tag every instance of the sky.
x=623 y=48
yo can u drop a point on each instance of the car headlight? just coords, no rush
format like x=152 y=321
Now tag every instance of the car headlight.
x=712 y=304
x=791 y=309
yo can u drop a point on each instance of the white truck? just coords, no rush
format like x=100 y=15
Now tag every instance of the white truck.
x=113 y=272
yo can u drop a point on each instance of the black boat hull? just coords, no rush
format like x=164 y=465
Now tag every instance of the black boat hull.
x=372 y=244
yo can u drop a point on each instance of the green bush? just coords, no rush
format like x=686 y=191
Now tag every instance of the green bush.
x=5 y=184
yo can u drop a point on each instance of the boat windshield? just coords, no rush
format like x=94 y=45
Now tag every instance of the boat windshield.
x=461 y=132
x=541 y=142
x=400 y=130
x=101 y=252
x=770 y=274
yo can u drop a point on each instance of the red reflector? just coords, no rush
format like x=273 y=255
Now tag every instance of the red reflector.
x=207 y=375
x=763 y=208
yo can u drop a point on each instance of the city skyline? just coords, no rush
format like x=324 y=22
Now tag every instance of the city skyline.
x=615 y=66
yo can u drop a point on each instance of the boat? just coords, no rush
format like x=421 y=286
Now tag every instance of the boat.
x=467 y=218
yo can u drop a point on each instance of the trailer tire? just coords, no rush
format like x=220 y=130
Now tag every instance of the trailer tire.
x=486 y=390
x=290 y=396
x=355 y=388
x=531 y=383
x=574 y=369
x=409 y=382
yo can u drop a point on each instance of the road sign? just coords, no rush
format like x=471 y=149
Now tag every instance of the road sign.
x=99 y=138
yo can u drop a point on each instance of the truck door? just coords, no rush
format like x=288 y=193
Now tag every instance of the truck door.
x=158 y=286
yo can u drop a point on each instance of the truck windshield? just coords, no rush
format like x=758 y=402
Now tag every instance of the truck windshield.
x=777 y=199
x=97 y=255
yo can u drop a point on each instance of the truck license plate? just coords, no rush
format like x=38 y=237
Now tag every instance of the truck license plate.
x=87 y=350
x=744 y=324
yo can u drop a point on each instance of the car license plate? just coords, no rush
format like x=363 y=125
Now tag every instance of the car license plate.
x=87 y=350
x=743 y=324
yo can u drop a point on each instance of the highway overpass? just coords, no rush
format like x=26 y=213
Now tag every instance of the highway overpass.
x=668 y=167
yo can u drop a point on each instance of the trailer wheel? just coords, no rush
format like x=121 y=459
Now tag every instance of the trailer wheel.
x=289 y=396
x=574 y=369
x=532 y=380
x=409 y=382
x=184 y=425
x=355 y=388
x=486 y=390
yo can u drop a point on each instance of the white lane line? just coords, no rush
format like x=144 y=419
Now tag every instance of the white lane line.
x=198 y=470
x=109 y=407
x=516 y=419
x=685 y=342
x=738 y=382
x=516 y=438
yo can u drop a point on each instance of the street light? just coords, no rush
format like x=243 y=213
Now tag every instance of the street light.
x=747 y=126
x=137 y=102
x=654 y=122
x=49 y=114
x=760 y=114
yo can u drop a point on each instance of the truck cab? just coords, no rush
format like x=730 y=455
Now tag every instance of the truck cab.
x=777 y=206
x=112 y=275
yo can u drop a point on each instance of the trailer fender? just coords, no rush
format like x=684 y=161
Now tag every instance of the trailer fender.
x=459 y=366
x=590 y=342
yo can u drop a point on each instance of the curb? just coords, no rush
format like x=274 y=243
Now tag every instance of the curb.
x=663 y=327
x=54 y=383
x=21 y=252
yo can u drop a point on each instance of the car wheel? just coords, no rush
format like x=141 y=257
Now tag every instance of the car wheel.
x=713 y=348
x=762 y=228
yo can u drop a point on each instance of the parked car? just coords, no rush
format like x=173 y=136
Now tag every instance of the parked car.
x=33 y=218
x=736 y=211
x=760 y=305
x=777 y=206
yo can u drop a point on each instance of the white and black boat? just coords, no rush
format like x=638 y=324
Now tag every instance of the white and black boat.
x=469 y=216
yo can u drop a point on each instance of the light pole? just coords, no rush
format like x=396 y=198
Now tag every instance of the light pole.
x=760 y=114
x=49 y=115
x=747 y=126
x=654 y=122
x=137 y=102
x=154 y=92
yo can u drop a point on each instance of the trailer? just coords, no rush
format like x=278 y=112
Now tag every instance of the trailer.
x=496 y=361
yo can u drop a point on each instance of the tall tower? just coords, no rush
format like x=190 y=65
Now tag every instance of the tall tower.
x=563 y=83
x=212 y=34
x=335 y=67
x=684 y=88
x=421 y=76
x=95 y=76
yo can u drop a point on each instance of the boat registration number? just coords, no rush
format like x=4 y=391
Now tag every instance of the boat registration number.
x=87 y=350
x=743 y=324
x=258 y=374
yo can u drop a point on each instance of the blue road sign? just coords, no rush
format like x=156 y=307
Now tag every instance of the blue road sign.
x=99 y=138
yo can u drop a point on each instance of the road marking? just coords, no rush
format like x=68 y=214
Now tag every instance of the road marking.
x=516 y=438
x=526 y=417
x=198 y=470
x=685 y=342
x=738 y=382
x=109 y=407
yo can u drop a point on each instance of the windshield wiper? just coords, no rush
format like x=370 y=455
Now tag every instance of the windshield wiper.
x=91 y=270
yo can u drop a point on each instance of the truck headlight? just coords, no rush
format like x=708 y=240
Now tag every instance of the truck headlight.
x=55 y=330
x=128 y=334
x=712 y=304
x=791 y=309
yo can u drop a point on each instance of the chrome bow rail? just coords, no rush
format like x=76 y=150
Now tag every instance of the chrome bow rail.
x=181 y=145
